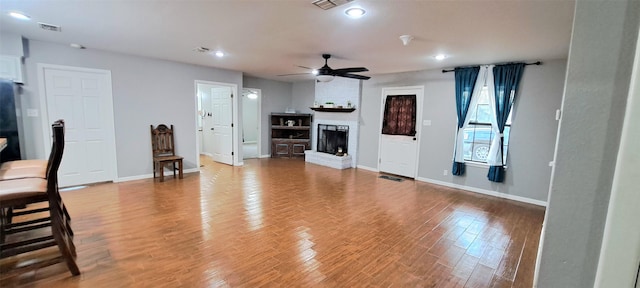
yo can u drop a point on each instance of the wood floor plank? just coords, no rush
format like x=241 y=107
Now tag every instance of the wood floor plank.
x=286 y=223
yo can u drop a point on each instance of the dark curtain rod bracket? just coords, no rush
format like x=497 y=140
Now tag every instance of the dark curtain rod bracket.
x=451 y=70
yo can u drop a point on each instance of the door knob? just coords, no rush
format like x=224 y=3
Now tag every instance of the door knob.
x=414 y=138
x=211 y=129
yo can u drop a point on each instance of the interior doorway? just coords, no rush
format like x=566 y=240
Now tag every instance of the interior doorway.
x=216 y=113
x=251 y=122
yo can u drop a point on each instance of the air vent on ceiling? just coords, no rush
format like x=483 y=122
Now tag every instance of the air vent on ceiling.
x=49 y=27
x=328 y=4
x=201 y=49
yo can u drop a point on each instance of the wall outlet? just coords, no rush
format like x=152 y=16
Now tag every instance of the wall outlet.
x=445 y=172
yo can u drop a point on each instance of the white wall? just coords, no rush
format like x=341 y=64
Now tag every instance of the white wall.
x=597 y=85
x=620 y=253
x=532 y=135
x=145 y=91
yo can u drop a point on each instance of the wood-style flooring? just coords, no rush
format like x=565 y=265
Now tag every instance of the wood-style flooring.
x=286 y=223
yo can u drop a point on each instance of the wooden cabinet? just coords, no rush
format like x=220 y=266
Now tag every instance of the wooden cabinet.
x=290 y=134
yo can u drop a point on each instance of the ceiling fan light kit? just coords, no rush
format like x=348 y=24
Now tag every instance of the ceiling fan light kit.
x=324 y=78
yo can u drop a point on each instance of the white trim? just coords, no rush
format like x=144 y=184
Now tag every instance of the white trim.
x=147 y=176
x=44 y=111
x=484 y=191
x=265 y=156
x=419 y=106
x=368 y=168
x=239 y=164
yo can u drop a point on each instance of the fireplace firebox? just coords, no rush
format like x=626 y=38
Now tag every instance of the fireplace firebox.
x=333 y=139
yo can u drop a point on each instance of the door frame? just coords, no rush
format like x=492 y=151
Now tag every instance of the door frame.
x=259 y=140
x=419 y=91
x=234 y=119
x=44 y=112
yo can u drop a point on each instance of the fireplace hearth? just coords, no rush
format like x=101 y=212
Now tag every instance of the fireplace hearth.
x=333 y=139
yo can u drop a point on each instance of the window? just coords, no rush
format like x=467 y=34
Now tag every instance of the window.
x=478 y=133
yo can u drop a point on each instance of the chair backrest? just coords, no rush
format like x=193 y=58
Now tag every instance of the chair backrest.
x=162 y=141
x=56 y=155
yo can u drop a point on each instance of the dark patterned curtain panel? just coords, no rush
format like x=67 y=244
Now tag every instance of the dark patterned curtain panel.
x=399 y=115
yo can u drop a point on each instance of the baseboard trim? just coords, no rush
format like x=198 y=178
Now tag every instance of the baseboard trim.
x=367 y=168
x=147 y=176
x=484 y=191
x=265 y=156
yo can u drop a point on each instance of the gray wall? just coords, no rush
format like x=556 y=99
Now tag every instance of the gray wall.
x=532 y=137
x=303 y=95
x=597 y=84
x=276 y=97
x=145 y=91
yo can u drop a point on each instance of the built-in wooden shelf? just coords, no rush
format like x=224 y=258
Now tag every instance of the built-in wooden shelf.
x=323 y=109
x=290 y=127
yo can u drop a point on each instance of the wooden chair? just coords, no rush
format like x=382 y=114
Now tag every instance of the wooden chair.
x=25 y=191
x=163 y=151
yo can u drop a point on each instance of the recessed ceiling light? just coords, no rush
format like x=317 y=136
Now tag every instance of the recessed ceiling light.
x=220 y=54
x=355 y=12
x=19 y=15
x=440 y=57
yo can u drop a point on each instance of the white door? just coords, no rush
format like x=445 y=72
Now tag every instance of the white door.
x=221 y=101
x=398 y=154
x=82 y=97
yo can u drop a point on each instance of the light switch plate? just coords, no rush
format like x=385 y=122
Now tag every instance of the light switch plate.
x=32 y=112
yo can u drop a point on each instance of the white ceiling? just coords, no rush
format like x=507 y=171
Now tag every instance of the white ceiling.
x=265 y=38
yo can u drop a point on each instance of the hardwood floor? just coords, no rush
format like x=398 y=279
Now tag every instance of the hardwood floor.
x=284 y=223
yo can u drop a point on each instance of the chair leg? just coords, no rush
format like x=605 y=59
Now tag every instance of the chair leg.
x=174 y=169
x=154 y=169
x=180 y=171
x=161 y=170
x=63 y=239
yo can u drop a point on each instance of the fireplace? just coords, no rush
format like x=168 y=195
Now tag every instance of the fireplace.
x=333 y=139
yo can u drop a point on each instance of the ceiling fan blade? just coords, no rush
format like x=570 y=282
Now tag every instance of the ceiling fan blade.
x=292 y=74
x=350 y=70
x=304 y=67
x=354 y=76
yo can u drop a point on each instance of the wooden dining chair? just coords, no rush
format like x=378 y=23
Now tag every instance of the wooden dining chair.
x=163 y=151
x=26 y=191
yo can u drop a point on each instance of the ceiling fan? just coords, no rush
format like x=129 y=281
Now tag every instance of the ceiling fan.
x=326 y=73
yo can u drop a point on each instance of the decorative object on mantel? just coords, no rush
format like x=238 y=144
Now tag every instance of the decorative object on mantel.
x=328 y=105
x=324 y=109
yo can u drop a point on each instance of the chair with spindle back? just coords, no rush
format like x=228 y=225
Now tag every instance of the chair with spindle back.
x=163 y=151
x=25 y=191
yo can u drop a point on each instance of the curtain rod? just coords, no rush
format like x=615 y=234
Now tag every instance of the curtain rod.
x=533 y=63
